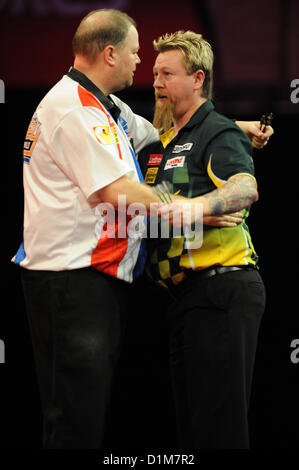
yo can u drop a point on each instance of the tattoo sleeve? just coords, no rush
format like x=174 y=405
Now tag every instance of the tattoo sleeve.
x=234 y=195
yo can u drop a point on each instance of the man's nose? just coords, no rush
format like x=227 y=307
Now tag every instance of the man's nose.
x=157 y=82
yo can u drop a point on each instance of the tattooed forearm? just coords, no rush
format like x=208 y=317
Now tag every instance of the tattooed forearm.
x=234 y=195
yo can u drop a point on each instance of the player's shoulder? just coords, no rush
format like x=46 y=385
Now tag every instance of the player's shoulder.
x=217 y=126
x=218 y=122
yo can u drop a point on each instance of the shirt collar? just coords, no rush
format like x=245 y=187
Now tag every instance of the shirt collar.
x=197 y=118
x=200 y=114
x=166 y=137
x=84 y=81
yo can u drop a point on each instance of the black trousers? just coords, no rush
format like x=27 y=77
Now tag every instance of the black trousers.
x=77 y=320
x=214 y=326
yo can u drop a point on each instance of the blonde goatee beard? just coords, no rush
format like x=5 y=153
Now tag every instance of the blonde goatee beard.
x=163 y=116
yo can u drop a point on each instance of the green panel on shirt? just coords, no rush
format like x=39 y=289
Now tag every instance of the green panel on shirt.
x=180 y=175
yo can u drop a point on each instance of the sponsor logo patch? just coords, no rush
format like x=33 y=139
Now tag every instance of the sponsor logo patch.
x=155 y=159
x=182 y=148
x=124 y=125
x=102 y=134
x=175 y=163
x=151 y=175
x=31 y=138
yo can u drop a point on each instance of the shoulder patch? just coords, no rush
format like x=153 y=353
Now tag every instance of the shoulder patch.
x=102 y=134
x=31 y=138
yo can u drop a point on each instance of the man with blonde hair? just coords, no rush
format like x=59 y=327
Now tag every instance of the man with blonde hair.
x=217 y=293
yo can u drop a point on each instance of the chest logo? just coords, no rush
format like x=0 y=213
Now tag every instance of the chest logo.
x=154 y=159
x=151 y=175
x=182 y=148
x=175 y=162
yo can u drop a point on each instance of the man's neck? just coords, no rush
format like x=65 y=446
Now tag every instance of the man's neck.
x=181 y=119
x=92 y=73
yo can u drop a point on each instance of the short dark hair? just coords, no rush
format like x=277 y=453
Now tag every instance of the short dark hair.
x=90 y=40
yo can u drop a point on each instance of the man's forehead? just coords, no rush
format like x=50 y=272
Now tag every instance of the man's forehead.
x=132 y=34
x=169 y=58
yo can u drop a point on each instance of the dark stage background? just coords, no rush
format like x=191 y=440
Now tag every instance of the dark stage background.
x=256 y=60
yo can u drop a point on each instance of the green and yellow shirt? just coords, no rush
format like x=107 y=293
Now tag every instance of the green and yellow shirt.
x=208 y=151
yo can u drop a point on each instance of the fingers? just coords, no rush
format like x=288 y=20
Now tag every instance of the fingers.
x=260 y=142
x=259 y=134
x=181 y=214
x=225 y=220
x=236 y=217
x=268 y=132
x=172 y=213
x=262 y=128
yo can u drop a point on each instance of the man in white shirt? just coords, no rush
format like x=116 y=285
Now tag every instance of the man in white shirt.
x=78 y=155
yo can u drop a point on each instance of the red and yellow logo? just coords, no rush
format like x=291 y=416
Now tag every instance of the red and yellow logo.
x=102 y=134
x=151 y=175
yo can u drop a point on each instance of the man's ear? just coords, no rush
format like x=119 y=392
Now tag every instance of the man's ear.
x=199 y=77
x=109 y=55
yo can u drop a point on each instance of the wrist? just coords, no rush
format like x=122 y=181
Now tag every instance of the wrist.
x=204 y=205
